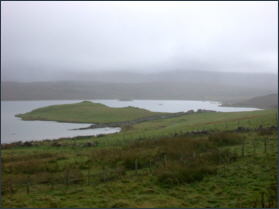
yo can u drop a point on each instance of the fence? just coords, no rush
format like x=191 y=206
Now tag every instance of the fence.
x=136 y=167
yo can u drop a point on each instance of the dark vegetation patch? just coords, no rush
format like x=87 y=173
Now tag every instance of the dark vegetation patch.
x=265 y=132
x=225 y=139
x=127 y=128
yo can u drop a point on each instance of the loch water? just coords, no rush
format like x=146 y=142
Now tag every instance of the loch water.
x=15 y=129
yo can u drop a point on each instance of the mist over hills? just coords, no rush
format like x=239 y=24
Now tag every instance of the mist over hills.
x=190 y=85
x=252 y=80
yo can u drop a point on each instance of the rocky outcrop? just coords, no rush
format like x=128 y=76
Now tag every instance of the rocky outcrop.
x=25 y=144
x=262 y=128
x=91 y=144
x=241 y=129
x=57 y=144
x=199 y=132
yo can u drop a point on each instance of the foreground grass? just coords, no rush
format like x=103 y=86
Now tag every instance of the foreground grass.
x=239 y=183
x=248 y=177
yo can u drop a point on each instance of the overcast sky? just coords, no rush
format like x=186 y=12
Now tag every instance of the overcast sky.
x=46 y=40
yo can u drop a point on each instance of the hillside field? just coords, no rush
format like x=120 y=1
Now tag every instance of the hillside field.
x=151 y=164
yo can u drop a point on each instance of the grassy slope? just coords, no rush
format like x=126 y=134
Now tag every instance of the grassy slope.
x=86 y=112
x=89 y=90
x=247 y=177
x=262 y=102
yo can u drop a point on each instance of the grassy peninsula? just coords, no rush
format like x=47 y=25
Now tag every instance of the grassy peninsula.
x=160 y=163
x=87 y=112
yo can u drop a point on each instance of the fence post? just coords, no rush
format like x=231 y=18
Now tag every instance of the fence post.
x=104 y=175
x=265 y=145
x=28 y=184
x=89 y=177
x=182 y=130
x=194 y=154
x=52 y=181
x=11 y=185
x=136 y=167
x=254 y=147
x=165 y=161
x=68 y=176
x=242 y=149
x=150 y=166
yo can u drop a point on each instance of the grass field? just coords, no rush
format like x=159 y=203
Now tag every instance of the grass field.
x=87 y=112
x=173 y=171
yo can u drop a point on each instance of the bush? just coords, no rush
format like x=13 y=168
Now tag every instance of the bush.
x=265 y=132
x=7 y=146
x=127 y=128
x=185 y=173
x=225 y=139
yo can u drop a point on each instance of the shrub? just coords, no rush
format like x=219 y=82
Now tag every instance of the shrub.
x=185 y=173
x=265 y=132
x=225 y=139
x=7 y=146
x=127 y=127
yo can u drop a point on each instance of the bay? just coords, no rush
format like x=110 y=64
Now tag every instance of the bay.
x=15 y=129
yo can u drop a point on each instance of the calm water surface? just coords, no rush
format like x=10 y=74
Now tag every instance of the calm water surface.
x=14 y=129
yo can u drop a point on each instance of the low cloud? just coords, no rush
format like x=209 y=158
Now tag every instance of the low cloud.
x=44 y=40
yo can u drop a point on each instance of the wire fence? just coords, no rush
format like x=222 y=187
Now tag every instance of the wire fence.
x=135 y=167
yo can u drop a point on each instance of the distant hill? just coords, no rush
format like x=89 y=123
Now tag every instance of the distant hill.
x=262 y=102
x=265 y=81
x=89 y=90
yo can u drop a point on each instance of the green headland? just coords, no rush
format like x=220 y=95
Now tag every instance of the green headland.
x=87 y=112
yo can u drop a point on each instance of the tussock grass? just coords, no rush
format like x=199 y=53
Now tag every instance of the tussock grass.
x=42 y=155
x=190 y=172
x=225 y=139
x=266 y=132
x=29 y=167
x=7 y=146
